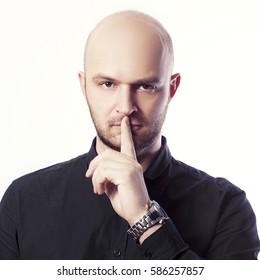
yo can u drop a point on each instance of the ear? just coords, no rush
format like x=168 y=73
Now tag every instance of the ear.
x=82 y=81
x=174 y=84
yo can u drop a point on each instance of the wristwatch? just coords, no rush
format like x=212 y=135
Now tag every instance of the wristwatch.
x=155 y=215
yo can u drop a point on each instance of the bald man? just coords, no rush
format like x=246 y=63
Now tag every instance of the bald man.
x=127 y=198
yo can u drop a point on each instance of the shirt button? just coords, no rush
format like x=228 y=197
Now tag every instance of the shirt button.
x=148 y=255
x=117 y=253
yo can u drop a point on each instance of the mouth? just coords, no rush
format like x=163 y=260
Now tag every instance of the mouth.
x=134 y=126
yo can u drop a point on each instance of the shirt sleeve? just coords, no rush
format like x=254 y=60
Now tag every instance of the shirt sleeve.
x=8 y=226
x=235 y=236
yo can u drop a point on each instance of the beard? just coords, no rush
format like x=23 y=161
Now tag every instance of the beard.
x=142 y=138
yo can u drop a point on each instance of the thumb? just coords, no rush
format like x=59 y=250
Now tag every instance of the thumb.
x=127 y=144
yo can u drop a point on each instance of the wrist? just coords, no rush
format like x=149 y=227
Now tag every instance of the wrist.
x=150 y=222
x=149 y=232
x=139 y=215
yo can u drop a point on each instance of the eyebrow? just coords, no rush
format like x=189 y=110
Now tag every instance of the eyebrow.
x=103 y=77
x=145 y=80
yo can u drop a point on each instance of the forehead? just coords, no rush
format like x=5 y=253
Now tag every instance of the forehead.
x=127 y=47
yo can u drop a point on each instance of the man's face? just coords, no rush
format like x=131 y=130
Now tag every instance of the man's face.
x=127 y=74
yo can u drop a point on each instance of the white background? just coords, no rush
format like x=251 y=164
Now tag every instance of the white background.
x=212 y=123
x=213 y=270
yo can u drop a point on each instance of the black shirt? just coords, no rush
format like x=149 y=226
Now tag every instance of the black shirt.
x=54 y=214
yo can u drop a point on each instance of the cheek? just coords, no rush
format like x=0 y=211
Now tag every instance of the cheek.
x=100 y=104
x=152 y=107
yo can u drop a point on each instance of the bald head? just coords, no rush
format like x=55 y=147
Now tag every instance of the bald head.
x=128 y=72
x=132 y=29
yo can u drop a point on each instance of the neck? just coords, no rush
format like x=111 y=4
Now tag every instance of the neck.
x=145 y=156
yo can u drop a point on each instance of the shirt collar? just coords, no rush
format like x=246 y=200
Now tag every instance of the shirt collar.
x=155 y=169
x=92 y=153
x=160 y=163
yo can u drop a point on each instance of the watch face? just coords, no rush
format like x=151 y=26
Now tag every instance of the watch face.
x=158 y=210
x=155 y=215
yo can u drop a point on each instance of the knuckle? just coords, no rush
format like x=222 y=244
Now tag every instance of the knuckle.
x=95 y=181
x=90 y=166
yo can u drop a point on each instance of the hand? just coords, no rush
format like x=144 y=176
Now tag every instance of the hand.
x=120 y=176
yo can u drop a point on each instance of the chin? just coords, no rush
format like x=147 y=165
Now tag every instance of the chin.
x=111 y=142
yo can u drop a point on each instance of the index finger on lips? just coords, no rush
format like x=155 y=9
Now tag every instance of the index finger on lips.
x=127 y=143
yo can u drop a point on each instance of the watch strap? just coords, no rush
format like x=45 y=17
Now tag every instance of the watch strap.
x=155 y=215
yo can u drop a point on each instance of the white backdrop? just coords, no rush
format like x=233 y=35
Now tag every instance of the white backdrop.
x=212 y=123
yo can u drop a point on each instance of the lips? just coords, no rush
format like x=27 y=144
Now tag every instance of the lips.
x=132 y=124
x=134 y=127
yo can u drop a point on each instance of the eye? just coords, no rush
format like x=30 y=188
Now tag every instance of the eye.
x=147 y=87
x=106 y=84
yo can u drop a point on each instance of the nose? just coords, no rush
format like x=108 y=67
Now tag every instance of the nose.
x=125 y=101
